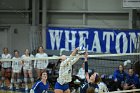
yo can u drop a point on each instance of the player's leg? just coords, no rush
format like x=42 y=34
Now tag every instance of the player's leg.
x=30 y=72
x=38 y=71
x=18 y=79
x=3 y=76
x=25 y=78
x=12 y=80
x=58 y=91
x=67 y=91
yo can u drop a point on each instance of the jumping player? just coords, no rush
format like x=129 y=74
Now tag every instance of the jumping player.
x=65 y=71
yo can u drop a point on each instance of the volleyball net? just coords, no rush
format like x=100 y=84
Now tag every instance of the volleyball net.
x=101 y=63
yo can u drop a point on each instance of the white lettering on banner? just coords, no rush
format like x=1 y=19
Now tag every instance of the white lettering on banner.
x=82 y=38
x=55 y=36
x=93 y=42
x=125 y=42
x=138 y=41
x=133 y=40
x=96 y=43
x=68 y=41
x=108 y=36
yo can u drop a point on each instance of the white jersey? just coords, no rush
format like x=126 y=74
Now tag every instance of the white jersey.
x=102 y=88
x=27 y=62
x=6 y=64
x=41 y=64
x=81 y=73
x=16 y=65
x=65 y=70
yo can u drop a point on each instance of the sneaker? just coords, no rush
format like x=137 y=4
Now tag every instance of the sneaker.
x=118 y=89
x=11 y=87
x=2 y=85
x=26 y=88
x=31 y=91
x=17 y=87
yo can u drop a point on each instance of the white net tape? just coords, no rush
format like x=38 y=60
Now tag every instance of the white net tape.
x=81 y=56
x=127 y=91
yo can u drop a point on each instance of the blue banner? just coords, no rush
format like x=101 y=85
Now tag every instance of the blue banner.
x=95 y=40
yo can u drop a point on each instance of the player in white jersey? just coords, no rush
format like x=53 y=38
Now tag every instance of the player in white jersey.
x=102 y=87
x=65 y=73
x=6 y=65
x=16 y=70
x=40 y=65
x=27 y=67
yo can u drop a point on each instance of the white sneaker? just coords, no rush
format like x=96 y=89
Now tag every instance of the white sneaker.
x=11 y=86
x=2 y=85
x=17 y=88
x=31 y=91
x=118 y=89
x=26 y=88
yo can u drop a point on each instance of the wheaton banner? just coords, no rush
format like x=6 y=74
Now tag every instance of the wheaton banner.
x=95 y=40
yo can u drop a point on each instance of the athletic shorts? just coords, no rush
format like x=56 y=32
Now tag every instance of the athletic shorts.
x=7 y=68
x=16 y=70
x=27 y=68
x=63 y=87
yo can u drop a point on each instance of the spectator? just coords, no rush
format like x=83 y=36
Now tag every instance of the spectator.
x=6 y=66
x=40 y=65
x=132 y=81
x=119 y=78
x=27 y=67
x=81 y=72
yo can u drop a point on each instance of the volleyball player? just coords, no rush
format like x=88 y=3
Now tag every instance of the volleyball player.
x=6 y=65
x=40 y=65
x=16 y=70
x=65 y=71
x=27 y=67
x=92 y=79
x=41 y=86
